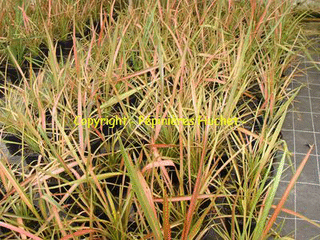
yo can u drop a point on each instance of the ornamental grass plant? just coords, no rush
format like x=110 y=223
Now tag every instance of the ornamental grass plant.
x=165 y=68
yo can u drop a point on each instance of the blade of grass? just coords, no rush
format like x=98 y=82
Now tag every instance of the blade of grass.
x=261 y=222
x=143 y=193
x=166 y=217
x=78 y=234
x=293 y=213
x=21 y=231
x=286 y=193
x=11 y=178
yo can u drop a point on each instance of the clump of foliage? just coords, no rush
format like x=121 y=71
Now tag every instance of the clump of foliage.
x=145 y=60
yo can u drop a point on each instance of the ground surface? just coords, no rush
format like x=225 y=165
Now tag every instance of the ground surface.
x=301 y=129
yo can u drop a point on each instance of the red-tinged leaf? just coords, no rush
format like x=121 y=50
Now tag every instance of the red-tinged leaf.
x=215 y=80
x=286 y=193
x=188 y=198
x=166 y=217
x=78 y=234
x=157 y=164
x=19 y=230
x=163 y=145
